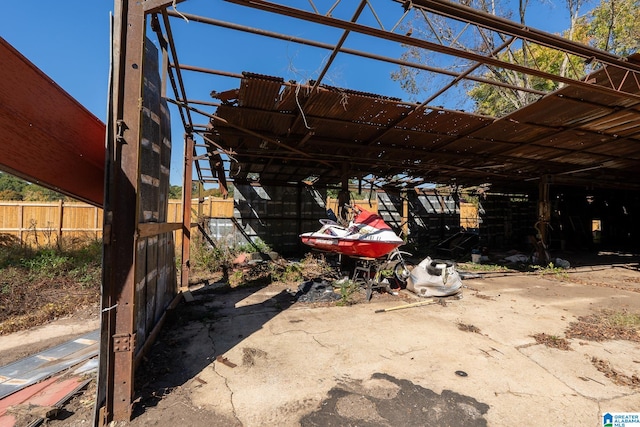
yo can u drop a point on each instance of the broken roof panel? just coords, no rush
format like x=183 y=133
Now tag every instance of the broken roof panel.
x=275 y=124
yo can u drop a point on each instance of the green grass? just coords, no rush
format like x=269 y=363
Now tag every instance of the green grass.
x=38 y=285
x=471 y=266
x=348 y=288
x=623 y=319
x=551 y=269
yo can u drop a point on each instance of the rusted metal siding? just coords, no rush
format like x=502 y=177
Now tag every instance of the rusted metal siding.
x=46 y=136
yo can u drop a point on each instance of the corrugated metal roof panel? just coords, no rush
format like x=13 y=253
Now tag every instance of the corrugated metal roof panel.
x=257 y=91
x=622 y=123
x=556 y=111
x=375 y=135
x=513 y=130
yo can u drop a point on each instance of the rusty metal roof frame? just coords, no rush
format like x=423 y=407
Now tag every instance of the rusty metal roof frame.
x=273 y=131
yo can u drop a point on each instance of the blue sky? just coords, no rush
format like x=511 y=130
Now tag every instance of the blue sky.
x=69 y=41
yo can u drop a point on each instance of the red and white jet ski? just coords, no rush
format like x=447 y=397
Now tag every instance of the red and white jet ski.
x=367 y=236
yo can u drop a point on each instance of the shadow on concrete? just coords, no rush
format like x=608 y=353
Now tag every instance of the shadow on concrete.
x=199 y=332
x=601 y=258
x=405 y=403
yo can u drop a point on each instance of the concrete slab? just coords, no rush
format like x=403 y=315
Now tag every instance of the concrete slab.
x=252 y=357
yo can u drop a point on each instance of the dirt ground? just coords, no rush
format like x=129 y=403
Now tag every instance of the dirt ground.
x=164 y=375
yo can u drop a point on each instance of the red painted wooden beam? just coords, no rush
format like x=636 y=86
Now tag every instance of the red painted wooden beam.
x=46 y=136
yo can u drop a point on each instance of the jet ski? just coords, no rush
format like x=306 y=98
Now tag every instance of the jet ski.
x=366 y=236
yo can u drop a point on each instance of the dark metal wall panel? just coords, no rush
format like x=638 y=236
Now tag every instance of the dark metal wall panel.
x=507 y=221
x=153 y=294
x=433 y=217
x=154 y=289
x=140 y=301
x=277 y=215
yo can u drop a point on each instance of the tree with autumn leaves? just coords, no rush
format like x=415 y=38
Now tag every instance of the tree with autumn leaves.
x=612 y=26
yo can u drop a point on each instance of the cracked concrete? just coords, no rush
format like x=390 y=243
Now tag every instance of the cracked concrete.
x=252 y=357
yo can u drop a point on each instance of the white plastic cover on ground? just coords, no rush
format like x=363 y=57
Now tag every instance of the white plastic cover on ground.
x=434 y=279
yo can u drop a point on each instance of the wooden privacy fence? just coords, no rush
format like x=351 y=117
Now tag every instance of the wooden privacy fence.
x=47 y=223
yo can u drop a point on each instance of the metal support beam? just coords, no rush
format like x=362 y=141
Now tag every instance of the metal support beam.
x=115 y=384
x=495 y=23
x=447 y=50
x=157 y=5
x=186 y=210
x=293 y=39
x=544 y=209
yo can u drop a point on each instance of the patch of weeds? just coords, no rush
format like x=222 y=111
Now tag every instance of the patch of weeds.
x=287 y=272
x=258 y=245
x=86 y=275
x=615 y=376
x=471 y=267
x=552 y=341
x=552 y=270
x=310 y=267
x=606 y=325
x=12 y=253
x=47 y=262
x=205 y=258
x=348 y=288
x=236 y=278
x=468 y=328
x=44 y=313
x=38 y=285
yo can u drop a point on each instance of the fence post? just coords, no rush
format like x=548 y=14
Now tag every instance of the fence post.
x=20 y=222
x=95 y=221
x=60 y=220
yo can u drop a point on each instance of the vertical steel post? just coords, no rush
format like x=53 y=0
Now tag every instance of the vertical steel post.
x=544 y=208
x=405 y=213
x=186 y=210
x=115 y=383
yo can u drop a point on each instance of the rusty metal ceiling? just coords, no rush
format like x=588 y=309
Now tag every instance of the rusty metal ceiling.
x=266 y=129
x=572 y=135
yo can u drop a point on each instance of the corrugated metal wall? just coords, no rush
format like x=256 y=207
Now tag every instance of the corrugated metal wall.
x=278 y=215
x=507 y=221
x=156 y=276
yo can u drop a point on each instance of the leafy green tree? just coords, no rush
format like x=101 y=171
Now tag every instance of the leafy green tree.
x=497 y=101
x=479 y=40
x=10 y=182
x=10 y=195
x=175 y=192
x=36 y=193
x=613 y=25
